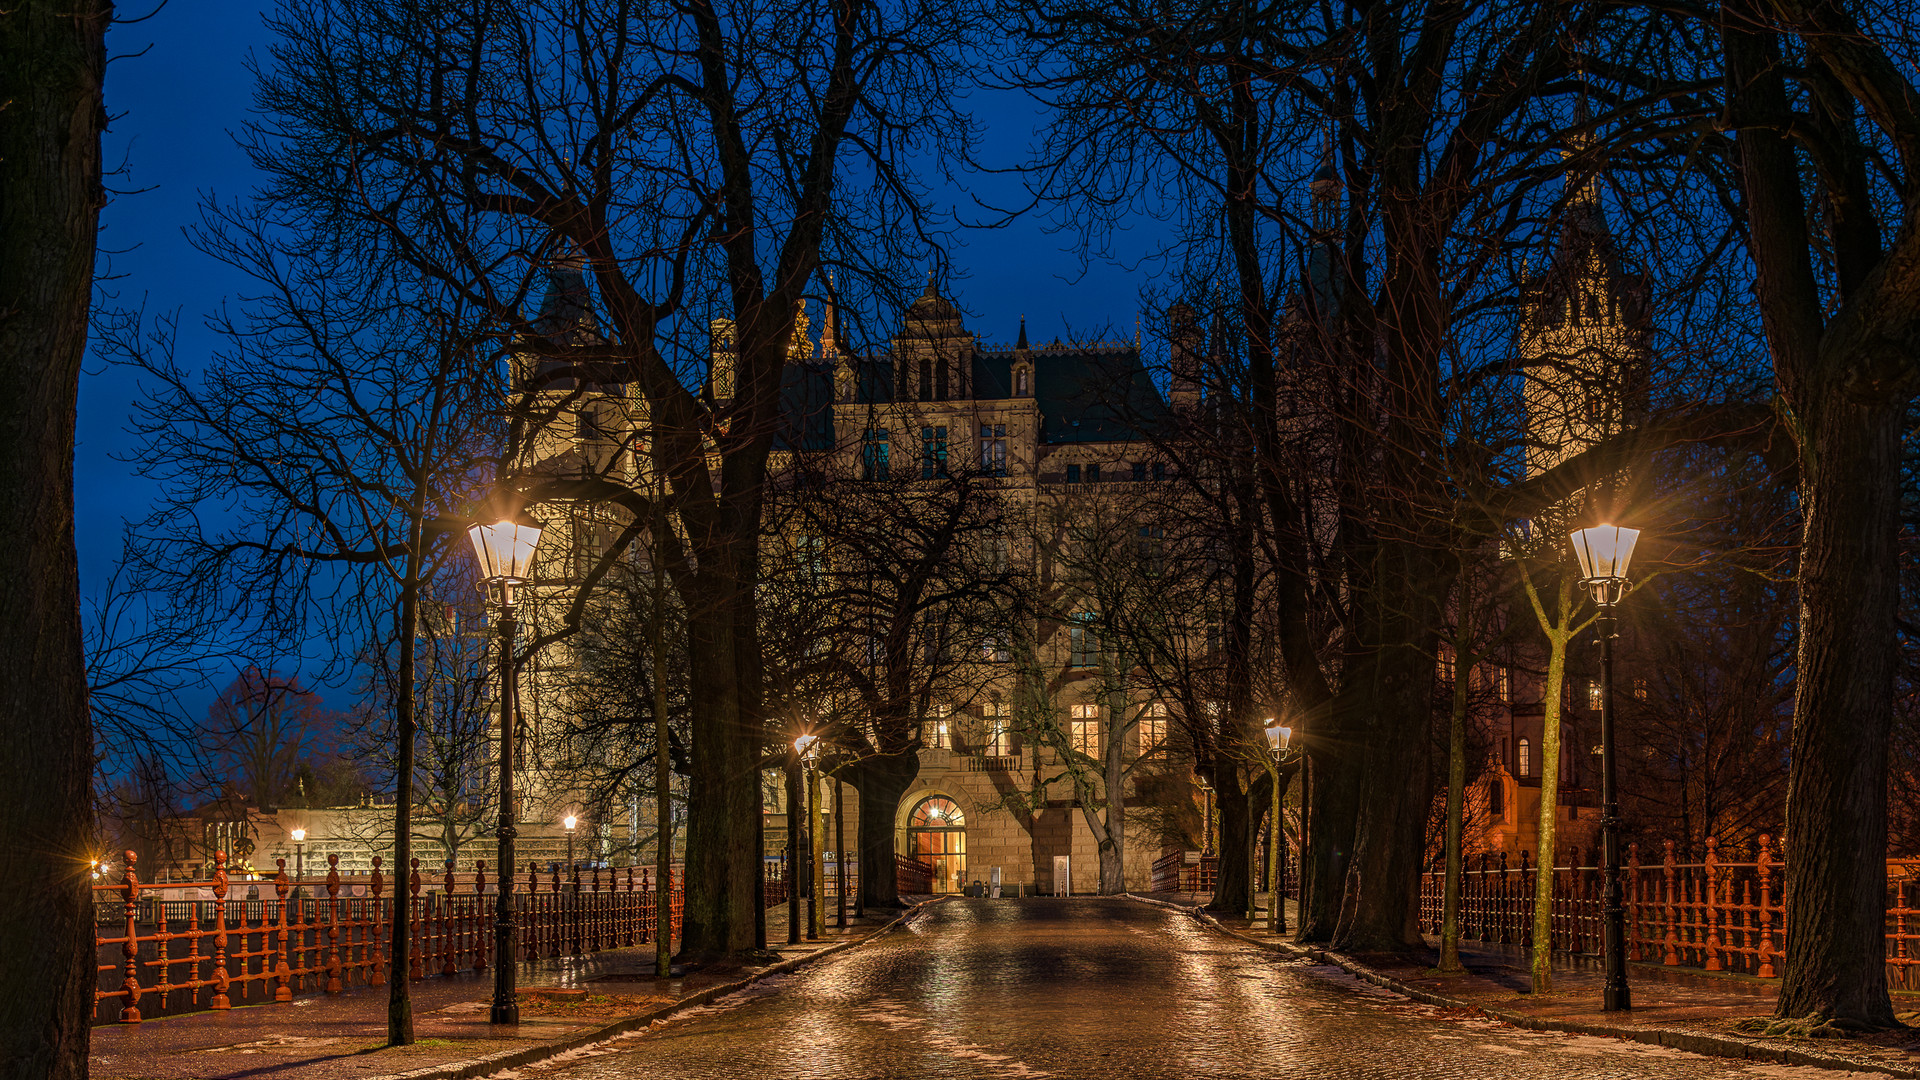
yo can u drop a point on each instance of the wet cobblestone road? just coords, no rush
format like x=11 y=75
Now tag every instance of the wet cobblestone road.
x=1096 y=989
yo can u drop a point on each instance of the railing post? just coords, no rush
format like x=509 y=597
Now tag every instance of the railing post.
x=333 y=925
x=415 y=932
x=130 y=949
x=532 y=947
x=1636 y=915
x=1527 y=870
x=448 y=964
x=220 y=977
x=282 y=975
x=1763 y=872
x=479 y=904
x=1711 y=908
x=1673 y=915
x=376 y=885
x=573 y=912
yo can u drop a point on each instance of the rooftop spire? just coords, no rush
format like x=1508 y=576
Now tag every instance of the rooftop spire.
x=1022 y=343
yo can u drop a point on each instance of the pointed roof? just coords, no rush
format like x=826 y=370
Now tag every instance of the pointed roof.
x=1022 y=343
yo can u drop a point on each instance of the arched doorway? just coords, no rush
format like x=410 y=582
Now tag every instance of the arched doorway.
x=937 y=836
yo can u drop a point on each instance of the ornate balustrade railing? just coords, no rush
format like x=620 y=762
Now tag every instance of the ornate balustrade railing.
x=1716 y=915
x=178 y=955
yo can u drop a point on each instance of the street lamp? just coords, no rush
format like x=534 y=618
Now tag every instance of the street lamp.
x=570 y=822
x=1279 y=740
x=299 y=854
x=1206 y=841
x=1604 y=552
x=808 y=747
x=505 y=552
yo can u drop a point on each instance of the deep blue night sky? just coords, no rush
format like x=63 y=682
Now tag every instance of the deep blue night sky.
x=176 y=107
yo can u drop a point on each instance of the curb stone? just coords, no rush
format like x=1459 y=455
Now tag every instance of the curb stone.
x=531 y=1055
x=1693 y=1042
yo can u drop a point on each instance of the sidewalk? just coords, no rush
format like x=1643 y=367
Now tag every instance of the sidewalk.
x=1677 y=1007
x=325 y=1038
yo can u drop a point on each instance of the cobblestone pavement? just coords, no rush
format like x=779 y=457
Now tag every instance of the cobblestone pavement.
x=1089 y=988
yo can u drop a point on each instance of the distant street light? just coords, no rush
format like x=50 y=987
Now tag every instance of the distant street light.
x=299 y=854
x=1279 y=741
x=570 y=822
x=1604 y=552
x=505 y=552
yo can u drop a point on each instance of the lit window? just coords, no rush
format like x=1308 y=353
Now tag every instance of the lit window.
x=994 y=649
x=1504 y=680
x=1640 y=689
x=1084 y=732
x=999 y=729
x=1526 y=758
x=937 y=732
x=1593 y=693
x=1153 y=728
x=993 y=449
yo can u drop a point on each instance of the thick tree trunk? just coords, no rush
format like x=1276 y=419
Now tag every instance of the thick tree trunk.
x=1332 y=800
x=1382 y=904
x=1231 y=881
x=723 y=793
x=52 y=61
x=1836 y=835
x=880 y=781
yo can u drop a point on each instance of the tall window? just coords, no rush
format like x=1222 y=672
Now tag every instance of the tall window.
x=1503 y=683
x=1139 y=471
x=1159 y=470
x=874 y=454
x=1526 y=758
x=1152 y=728
x=999 y=729
x=1073 y=474
x=1151 y=544
x=1093 y=474
x=1083 y=734
x=1082 y=644
x=994 y=649
x=993 y=449
x=933 y=453
x=937 y=731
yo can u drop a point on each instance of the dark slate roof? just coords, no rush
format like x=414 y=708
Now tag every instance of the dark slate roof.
x=1099 y=394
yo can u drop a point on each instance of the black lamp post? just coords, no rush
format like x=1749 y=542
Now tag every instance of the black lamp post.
x=1279 y=739
x=505 y=551
x=807 y=746
x=1604 y=552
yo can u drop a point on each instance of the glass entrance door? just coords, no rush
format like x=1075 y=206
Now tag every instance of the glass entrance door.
x=937 y=835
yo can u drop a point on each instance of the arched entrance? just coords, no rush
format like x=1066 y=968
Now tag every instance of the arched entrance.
x=937 y=836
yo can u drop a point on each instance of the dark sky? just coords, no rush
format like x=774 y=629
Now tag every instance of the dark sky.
x=175 y=108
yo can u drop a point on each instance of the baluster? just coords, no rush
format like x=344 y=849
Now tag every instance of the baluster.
x=416 y=933
x=334 y=985
x=449 y=944
x=1711 y=899
x=283 y=973
x=1524 y=886
x=377 y=956
x=531 y=950
x=1672 y=913
x=1636 y=940
x=1763 y=871
x=220 y=976
x=130 y=949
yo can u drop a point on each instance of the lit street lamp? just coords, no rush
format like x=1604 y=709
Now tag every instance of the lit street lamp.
x=299 y=855
x=1604 y=552
x=505 y=551
x=570 y=822
x=1279 y=741
x=808 y=747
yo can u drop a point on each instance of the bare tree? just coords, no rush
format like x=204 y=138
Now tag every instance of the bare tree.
x=53 y=61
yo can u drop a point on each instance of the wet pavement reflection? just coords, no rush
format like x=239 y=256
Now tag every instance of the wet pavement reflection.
x=1097 y=988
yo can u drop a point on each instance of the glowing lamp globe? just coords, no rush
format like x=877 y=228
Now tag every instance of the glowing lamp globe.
x=505 y=549
x=1604 y=552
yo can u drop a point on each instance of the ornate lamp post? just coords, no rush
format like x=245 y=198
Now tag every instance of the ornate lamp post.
x=505 y=550
x=570 y=822
x=808 y=748
x=1604 y=552
x=299 y=854
x=1279 y=741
